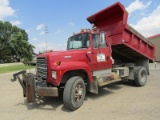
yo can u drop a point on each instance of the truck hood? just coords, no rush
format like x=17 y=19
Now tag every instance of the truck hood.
x=65 y=56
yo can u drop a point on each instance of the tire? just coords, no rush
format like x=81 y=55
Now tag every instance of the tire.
x=140 y=76
x=74 y=93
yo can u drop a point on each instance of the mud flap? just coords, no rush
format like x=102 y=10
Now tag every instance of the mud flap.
x=93 y=87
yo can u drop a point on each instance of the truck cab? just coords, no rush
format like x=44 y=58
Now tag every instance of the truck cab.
x=98 y=51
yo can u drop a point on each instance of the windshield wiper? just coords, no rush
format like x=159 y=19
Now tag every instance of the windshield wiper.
x=81 y=47
x=71 y=48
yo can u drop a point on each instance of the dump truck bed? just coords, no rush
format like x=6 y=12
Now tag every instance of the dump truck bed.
x=126 y=41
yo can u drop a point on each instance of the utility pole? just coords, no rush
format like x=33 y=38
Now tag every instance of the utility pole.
x=46 y=32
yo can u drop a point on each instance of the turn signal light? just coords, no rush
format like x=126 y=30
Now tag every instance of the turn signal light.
x=58 y=62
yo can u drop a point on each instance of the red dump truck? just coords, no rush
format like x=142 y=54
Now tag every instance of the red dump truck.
x=109 y=52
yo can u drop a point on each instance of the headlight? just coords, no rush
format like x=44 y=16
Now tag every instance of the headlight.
x=54 y=75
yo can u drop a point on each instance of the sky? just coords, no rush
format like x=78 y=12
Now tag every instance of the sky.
x=60 y=18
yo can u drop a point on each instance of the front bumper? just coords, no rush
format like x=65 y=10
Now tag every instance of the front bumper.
x=47 y=91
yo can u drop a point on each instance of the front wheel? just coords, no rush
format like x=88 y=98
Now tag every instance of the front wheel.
x=140 y=76
x=74 y=93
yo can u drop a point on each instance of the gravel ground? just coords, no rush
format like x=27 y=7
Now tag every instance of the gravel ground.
x=118 y=101
x=10 y=64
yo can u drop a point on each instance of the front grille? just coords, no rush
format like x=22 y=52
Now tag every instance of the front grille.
x=42 y=67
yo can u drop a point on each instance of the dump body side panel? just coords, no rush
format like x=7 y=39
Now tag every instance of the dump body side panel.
x=138 y=44
x=132 y=45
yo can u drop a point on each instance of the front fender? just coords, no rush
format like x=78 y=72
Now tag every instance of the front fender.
x=69 y=66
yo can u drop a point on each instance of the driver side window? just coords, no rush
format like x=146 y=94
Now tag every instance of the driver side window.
x=96 y=41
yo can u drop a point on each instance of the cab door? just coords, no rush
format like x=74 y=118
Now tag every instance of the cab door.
x=101 y=53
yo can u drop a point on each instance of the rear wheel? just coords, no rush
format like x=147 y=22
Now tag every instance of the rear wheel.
x=74 y=93
x=140 y=76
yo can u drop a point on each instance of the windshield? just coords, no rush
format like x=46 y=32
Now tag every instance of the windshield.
x=78 y=41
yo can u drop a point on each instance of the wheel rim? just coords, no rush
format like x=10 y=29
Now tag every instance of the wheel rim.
x=143 y=76
x=78 y=93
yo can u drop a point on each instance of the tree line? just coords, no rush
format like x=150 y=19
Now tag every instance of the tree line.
x=14 y=45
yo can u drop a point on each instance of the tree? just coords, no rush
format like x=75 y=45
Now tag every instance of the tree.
x=14 y=43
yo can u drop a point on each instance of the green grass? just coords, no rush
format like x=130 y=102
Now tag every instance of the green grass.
x=13 y=68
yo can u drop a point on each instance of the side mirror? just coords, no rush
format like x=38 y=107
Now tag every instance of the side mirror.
x=102 y=38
